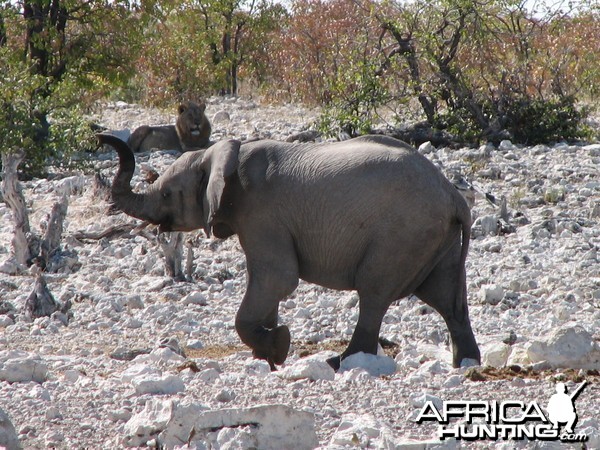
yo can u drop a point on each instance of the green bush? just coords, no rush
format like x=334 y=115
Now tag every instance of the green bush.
x=49 y=128
x=356 y=94
x=538 y=121
x=57 y=58
x=528 y=121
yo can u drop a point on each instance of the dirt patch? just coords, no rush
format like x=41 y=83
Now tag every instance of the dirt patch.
x=302 y=349
x=215 y=351
x=508 y=373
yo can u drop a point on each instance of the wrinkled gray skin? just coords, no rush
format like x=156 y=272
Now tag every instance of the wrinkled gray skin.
x=369 y=214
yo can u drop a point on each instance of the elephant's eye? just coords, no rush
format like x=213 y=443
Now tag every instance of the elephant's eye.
x=166 y=194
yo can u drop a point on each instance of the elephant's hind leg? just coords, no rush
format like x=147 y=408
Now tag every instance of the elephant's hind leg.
x=365 y=338
x=366 y=334
x=378 y=285
x=442 y=290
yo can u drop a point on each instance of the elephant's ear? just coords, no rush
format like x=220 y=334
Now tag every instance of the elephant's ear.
x=219 y=163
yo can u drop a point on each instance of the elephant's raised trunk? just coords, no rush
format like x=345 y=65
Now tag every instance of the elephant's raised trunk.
x=123 y=197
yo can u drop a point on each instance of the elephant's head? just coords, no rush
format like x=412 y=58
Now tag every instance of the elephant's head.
x=186 y=197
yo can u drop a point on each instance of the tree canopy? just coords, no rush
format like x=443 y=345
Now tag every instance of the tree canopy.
x=476 y=70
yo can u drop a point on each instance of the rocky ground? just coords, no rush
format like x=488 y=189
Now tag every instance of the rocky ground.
x=141 y=359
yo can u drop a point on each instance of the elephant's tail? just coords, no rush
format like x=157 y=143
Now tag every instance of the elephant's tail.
x=464 y=218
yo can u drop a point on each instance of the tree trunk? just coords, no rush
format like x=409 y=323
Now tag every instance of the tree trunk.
x=26 y=246
x=172 y=247
x=53 y=232
x=226 y=49
x=405 y=47
x=11 y=190
x=3 y=36
x=189 y=264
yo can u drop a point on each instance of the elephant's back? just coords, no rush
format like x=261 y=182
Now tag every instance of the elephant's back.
x=376 y=162
x=368 y=167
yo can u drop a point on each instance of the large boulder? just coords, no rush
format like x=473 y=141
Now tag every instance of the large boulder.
x=269 y=427
x=19 y=366
x=308 y=368
x=570 y=347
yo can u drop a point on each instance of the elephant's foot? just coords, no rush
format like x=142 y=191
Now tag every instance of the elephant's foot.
x=464 y=349
x=275 y=346
x=335 y=362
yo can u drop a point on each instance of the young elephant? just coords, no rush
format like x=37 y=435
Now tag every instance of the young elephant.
x=368 y=214
x=190 y=132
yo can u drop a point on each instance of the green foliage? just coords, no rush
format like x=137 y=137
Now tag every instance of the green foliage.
x=539 y=121
x=47 y=139
x=57 y=57
x=17 y=120
x=356 y=94
x=198 y=48
x=528 y=121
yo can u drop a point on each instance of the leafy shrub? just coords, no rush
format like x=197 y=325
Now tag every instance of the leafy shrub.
x=355 y=97
x=528 y=121
x=56 y=58
x=539 y=121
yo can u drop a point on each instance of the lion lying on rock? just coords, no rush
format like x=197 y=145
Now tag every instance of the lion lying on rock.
x=190 y=132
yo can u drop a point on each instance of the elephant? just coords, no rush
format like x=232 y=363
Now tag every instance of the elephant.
x=368 y=214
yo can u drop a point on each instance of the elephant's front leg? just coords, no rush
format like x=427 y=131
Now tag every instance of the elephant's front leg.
x=256 y=320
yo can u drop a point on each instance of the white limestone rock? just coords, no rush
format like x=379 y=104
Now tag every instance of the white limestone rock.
x=150 y=422
x=309 y=368
x=496 y=354
x=158 y=384
x=138 y=370
x=221 y=116
x=268 y=427
x=161 y=357
x=19 y=366
x=426 y=148
x=506 y=146
x=433 y=368
x=569 y=347
x=362 y=431
x=491 y=294
x=375 y=365
x=195 y=298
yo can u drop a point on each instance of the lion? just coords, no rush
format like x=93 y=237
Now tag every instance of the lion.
x=190 y=132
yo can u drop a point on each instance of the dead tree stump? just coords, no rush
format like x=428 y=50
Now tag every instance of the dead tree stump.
x=53 y=233
x=172 y=247
x=23 y=242
x=189 y=263
x=41 y=302
x=27 y=247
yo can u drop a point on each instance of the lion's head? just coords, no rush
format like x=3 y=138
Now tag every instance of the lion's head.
x=193 y=128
